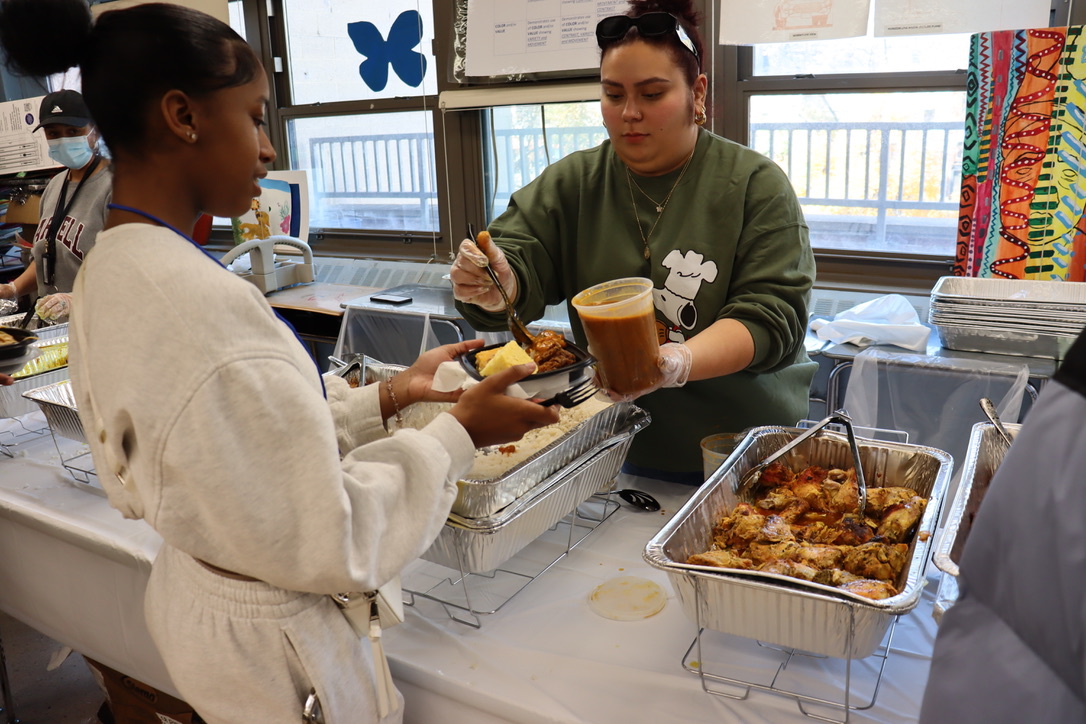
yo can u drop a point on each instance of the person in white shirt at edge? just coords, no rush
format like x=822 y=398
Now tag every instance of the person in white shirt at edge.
x=211 y=422
x=73 y=206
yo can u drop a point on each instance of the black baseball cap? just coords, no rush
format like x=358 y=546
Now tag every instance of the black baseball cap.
x=65 y=106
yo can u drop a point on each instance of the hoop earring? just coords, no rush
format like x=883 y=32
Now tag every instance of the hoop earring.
x=700 y=117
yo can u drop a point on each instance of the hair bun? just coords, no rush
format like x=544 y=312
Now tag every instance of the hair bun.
x=43 y=37
x=679 y=8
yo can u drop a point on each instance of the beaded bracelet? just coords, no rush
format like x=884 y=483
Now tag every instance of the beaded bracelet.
x=395 y=403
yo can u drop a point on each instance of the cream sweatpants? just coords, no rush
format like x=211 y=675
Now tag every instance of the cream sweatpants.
x=246 y=651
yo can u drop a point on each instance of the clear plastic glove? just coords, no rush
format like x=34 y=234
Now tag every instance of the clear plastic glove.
x=54 y=307
x=674 y=362
x=473 y=285
x=7 y=291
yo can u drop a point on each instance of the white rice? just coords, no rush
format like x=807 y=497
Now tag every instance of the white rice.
x=491 y=462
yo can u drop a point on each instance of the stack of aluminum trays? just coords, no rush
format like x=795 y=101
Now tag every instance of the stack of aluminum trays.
x=492 y=520
x=982 y=458
x=786 y=611
x=582 y=465
x=1008 y=316
x=12 y=401
x=57 y=401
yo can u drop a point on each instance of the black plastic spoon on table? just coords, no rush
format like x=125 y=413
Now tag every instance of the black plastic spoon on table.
x=639 y=499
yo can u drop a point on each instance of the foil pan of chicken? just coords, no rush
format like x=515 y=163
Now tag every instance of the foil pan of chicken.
x=478 y=545
x=783 y=610
x=982 y=458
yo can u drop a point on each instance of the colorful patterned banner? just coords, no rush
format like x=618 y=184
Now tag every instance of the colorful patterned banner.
x=1023 y=201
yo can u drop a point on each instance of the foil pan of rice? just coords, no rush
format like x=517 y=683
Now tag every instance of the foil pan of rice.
x=502 y=474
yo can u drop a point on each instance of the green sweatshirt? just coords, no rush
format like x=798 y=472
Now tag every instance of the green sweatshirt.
x=731 y=243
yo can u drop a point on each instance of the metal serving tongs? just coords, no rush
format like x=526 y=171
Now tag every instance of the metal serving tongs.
x=516 y=326
x=840 y=417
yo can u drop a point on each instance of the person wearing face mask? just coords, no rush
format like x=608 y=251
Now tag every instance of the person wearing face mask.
x=73 y=206
x=716 y=226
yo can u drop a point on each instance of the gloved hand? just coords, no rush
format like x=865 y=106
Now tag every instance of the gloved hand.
x=7 y=291
x=54 y=307
x=472 y=284
x=674 y=362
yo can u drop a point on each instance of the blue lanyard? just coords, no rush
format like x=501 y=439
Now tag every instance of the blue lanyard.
x=183 y=235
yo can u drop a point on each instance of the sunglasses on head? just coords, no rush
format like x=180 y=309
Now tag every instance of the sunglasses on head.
x=649 y=25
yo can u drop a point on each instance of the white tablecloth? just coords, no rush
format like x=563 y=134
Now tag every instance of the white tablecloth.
x=74 y=569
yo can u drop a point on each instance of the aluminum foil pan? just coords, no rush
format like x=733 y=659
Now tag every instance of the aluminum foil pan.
x=968 y=338
x=945 y=596
x=12 y=401
x=786 y=611
x=46 y=332
x=477 y=545
x=482 y=498
x=57 y=401
x=1023 y=293
x=982 y=458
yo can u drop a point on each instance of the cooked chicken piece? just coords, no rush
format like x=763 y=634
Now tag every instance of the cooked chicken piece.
x=819 y=556
x=760 y=552
x=868 y=588
x=811 y=493
x=879 y=499
x=900 y=519
x=784 y=502
x=810 y=554
x=722 y=530
x=777 y=499
x=816 y=532
x=720 y=559
x=789 y=568
x=852 y=530
x=877 y=560
x=812 y=474
x=776 y=529
x=743 y=529
x=835 y=577
x=842 y=491
x=776 y=474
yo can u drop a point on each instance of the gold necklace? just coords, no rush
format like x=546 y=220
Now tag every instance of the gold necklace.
x=659 y=206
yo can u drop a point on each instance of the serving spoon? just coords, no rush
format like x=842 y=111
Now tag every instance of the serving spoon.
x=990 y=412
x=639 y=499
x=516 y=326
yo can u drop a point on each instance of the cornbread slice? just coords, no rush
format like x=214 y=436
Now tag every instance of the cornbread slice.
x=508 y=356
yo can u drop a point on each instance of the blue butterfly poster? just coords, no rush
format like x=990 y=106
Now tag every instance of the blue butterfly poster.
x=397 y=51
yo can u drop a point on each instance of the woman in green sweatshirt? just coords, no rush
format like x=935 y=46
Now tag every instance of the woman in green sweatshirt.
x=715 y=226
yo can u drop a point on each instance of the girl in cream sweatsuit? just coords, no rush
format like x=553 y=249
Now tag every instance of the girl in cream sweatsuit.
x=206 y=416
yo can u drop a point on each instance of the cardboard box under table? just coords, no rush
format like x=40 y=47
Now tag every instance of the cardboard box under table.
x=784 y=611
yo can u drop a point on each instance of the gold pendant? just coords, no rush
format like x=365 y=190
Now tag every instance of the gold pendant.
x=648 y=254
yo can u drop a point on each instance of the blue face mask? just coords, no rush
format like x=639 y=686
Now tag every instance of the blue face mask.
x=73 y=152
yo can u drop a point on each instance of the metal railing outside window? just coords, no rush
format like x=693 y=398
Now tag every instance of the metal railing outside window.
x=873 y=174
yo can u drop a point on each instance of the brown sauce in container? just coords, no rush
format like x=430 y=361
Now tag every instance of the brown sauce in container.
x=626 y=364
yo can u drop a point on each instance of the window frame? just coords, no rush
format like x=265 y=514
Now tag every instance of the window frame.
x=459 y=145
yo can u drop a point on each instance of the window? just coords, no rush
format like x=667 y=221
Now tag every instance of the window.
x=868 y=129
x=367 y=171
x=875 y=168
x=872 y=170
x=524 y=140
x=356 y=111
